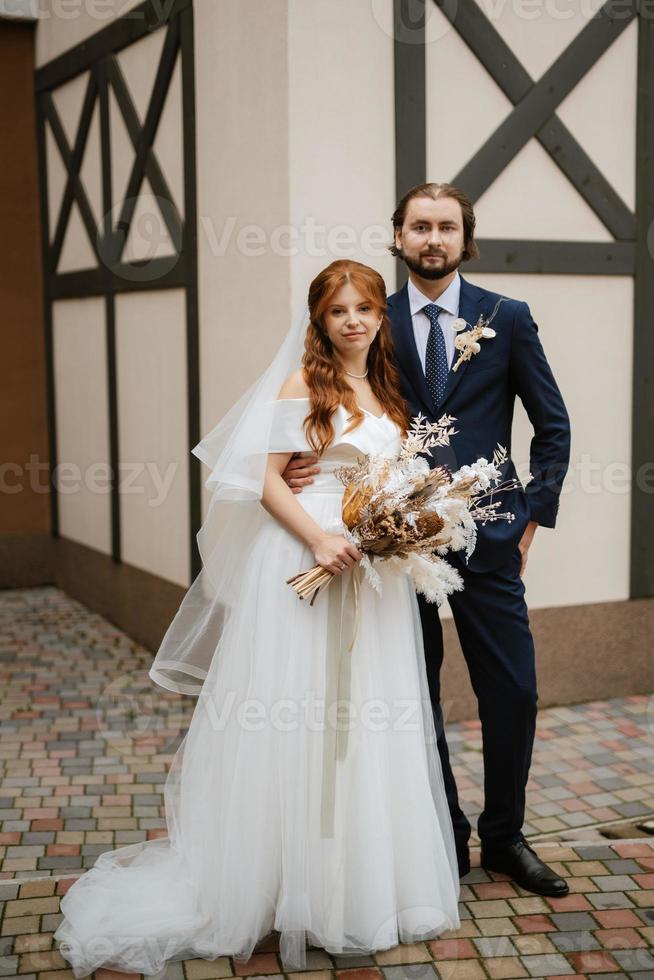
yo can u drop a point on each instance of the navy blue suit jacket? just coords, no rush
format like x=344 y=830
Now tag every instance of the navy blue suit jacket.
x=481 y=395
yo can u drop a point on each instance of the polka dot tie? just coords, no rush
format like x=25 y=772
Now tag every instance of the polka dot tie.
x=436 y=366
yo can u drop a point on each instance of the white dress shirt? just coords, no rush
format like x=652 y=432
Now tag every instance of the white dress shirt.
x=449 y=301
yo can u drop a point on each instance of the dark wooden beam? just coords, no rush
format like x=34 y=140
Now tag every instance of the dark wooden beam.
x=410 y=101
x=642 y=432
x=153 y=171
x=137 y=23
x=110 y=314
x=190 y=251
x=555 y=258
x=479 y=34
x=72 y=160
x=143 y=147
x=538 y=105
x=163 y=272
x=47 y=312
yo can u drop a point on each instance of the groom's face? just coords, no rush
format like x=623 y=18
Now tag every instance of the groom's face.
x=431 y=238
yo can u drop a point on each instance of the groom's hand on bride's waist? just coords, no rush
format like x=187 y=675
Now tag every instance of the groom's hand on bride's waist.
x=300 y=471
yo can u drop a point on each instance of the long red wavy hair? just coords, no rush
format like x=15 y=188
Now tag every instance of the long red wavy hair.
x=323 y=372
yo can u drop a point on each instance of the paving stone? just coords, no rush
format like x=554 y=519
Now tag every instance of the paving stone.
x=593 y=961
x=350 y=962
x=619 y=866
x=596 y=852
x=550 y=965
x=610 y=782
x=643 y=898
x=74 y=824
x=412 y=971
x=49 y=923
x=8 y=966
x=534 y=943
x=633 y=959
x=609 y=900
x=553 y=791
x=172 y=971
x=572 y=942
x=62 y=862
x=403 y=955
x=95 y=849
x=489 y=909
x=566 y=921
x=632 y=809
x=476 y=875
x=461 y=970
x=27 y=850
x=618 y=918
x=613 y=883
x=499 y=926
x=505 y=932
x=198 y=969
x=318 y=959
x=38 y=837
x=495 y=946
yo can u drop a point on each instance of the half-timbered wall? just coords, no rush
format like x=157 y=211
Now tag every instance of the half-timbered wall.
x=267 y=139
x=117 y=161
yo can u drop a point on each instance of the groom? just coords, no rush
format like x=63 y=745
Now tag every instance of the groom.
x=434 y=228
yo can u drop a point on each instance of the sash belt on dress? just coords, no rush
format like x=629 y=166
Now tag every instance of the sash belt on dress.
x=342 y=629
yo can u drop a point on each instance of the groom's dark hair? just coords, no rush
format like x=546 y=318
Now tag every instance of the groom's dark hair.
x=470 y=250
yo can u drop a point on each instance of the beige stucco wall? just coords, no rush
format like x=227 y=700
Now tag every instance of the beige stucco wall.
x=152 y=431
x=586 y=558
x=81 y=422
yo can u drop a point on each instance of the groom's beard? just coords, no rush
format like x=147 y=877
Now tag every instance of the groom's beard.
x=426 y=271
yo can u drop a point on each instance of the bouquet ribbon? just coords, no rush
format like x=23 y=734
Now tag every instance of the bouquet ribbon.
x=342 y=629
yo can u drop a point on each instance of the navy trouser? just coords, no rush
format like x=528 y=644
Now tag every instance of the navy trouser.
x=491 y=619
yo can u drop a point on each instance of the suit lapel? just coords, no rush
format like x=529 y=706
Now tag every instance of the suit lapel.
x=405 y=347
x=469 y=299
x=405 y=344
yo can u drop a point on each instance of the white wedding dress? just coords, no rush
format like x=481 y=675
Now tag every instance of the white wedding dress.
x=267 y=829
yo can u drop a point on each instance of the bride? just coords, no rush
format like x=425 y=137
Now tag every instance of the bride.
x=307 y=796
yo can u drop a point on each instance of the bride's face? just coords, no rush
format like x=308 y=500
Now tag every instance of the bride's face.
x=351 y=321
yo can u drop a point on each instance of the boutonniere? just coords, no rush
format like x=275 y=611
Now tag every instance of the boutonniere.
x=467 y=340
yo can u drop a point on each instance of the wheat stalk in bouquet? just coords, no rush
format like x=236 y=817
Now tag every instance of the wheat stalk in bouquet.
x=398 y=510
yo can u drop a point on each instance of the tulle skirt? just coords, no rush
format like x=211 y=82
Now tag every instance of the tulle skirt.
x=275 y=820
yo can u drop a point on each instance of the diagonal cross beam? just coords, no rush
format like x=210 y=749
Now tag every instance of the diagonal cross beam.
x=153 y=171
x=72 y=160
x=535 y=104
x=142 y=137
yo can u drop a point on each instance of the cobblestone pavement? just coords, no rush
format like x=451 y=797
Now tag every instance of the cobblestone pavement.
x=86 y=739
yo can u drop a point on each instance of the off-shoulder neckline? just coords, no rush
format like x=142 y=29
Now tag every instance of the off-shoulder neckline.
x=306 y=399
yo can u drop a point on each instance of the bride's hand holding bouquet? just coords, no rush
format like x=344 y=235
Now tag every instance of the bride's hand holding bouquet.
x=334 y=553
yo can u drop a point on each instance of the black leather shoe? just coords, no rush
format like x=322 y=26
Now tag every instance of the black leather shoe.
x=464 y=864
x=523 y=865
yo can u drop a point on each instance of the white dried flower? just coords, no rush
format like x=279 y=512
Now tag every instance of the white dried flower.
x=400 y=512
x=467 y=342
x=372 y=576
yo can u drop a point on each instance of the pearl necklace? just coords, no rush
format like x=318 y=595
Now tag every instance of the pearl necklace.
x=359 y=377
